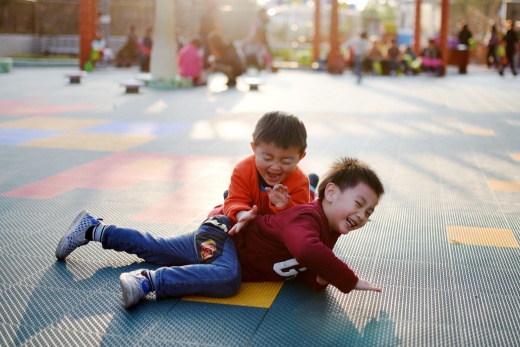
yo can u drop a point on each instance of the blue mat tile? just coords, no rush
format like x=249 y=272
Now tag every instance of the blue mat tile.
x=196 y=323
x=13 y=137
x=298 y=310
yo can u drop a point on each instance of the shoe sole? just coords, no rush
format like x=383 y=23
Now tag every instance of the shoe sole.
x=62 y=245
x=125 y=289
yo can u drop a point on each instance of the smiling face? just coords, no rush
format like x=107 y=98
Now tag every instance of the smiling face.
x=348 y=210
x=275 y=164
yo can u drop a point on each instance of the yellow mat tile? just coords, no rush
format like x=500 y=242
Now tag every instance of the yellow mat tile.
x=252 y=294
x=504 y=186
x=52 y=123
x=515 y=156
x=91 y=141
x=480 y=132
x=481 y=236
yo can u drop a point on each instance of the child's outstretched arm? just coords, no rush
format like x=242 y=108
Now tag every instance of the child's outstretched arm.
x=243 y=217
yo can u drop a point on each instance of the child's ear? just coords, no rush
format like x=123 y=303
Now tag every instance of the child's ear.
x=253 y=146
x=330 y=191
x=302 y=156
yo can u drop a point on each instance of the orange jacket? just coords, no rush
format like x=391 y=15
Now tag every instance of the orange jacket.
x=245 y=190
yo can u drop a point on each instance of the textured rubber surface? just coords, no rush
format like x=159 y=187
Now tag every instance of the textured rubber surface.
x=442 y=243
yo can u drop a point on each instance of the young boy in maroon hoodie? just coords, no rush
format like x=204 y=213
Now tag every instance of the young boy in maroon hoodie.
x=297 y=242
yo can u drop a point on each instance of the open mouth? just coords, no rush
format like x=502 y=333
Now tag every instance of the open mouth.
x=273 y=177
x=351 y=223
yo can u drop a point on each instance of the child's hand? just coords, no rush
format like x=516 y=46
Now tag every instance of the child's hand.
x=321 y=281
x=243 y=217
x=279 y=195
x=365 y=285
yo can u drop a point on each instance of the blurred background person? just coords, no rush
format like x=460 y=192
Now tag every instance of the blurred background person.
x=465 y=36
x=374 y=57
x=189 y=60
x=394 y=57
x=511 y=41
x=358 y=48
x=129 y=53
x=226 y=57
x=491 y=57
x=145 y=50
x=432 y=59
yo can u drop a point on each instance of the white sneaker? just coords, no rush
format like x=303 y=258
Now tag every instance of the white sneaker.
x=134 y=287
x=75 y=235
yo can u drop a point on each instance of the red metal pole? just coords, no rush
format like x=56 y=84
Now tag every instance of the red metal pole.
x=316 y=43
x=87 y=29
x=334 y=61
x=417 y=33
x=443 y=44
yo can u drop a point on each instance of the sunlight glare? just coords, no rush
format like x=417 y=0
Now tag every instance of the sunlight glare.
x=222 y=130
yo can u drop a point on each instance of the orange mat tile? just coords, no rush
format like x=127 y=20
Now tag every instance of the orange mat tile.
x=504 y=186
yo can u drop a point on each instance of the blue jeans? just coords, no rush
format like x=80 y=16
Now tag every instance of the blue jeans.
x=183 y=272
x=358 y=66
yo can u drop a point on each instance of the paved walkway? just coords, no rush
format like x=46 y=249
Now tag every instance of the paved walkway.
x=443 y=243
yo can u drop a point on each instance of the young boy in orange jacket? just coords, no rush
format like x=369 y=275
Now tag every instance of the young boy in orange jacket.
x=269 y=181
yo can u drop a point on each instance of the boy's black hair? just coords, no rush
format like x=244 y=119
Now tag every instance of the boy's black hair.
x=348 y=173
x=282 y=129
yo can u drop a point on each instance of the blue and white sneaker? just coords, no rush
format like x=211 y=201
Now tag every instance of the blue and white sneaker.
x=75 y=235
x=134 y=287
